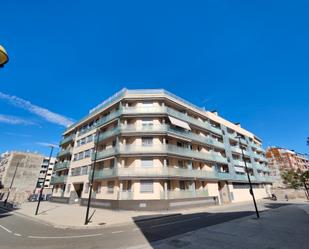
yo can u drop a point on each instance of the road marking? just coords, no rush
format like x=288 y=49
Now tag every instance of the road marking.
x=117 y=232
x=135 y=229
x=175 y=222
x=65 y=237
x=6 y=229
x=17 y=234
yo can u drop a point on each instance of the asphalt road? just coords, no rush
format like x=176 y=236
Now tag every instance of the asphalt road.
x=17 y=231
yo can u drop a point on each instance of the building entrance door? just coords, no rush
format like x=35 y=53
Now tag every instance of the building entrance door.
x=78 y=189
x=224 y=192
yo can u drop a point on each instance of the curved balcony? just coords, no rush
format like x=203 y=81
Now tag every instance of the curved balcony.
x=173 y=150
x=65 y=152
x=157 y=129
x=62 y=165
x=67 y=139
x=154 y=172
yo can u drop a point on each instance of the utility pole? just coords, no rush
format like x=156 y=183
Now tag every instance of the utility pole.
x=92 y=178
x=41 y=190
x=7 y=197
x=249 y=180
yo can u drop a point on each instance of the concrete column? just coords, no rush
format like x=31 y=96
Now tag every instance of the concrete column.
x=120 y=189
x=165 y=190
x=125 y=122
x=164 y=141
x=122 y=163
x=164 y=162
x=192 y=187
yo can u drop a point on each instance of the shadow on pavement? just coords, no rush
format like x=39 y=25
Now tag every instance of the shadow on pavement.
x=6 y=210
x=158 y=228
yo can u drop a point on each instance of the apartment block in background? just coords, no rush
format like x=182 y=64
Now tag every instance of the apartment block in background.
x=49 y=167
x=27 y=167
x=157 y=151
x=281 y=159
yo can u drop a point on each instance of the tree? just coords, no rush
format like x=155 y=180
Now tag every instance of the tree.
x=296 y=179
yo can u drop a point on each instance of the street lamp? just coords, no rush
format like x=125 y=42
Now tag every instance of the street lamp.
x=92 y=178
x=4 y=58
x=41 y=190
x=249 y=180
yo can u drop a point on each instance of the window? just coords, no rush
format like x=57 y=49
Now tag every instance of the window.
x=147 y=162
x=181 y=164
x=147 y=104
x=182 y=185
x=84 y=170
x=89 y=138
x=147 y=121
x=87 y=153
x=80 y=155
x=147 y=141
x=98 y=188
x=110 y=187
x=179 y=144
x=112 y=163
x=146 y=186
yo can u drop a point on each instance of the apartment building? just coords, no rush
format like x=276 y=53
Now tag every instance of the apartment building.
x=24 y=167
x=49 y=167
x=281 y=159
x=153 y=151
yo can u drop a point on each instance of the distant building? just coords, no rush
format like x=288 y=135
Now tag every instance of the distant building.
x=26 y=167
x=49 y=168
x=281 y=159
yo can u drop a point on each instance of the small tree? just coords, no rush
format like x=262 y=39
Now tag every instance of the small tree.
x=296 y=179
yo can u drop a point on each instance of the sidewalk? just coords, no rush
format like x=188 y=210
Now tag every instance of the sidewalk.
x=283 y=228
x=73 y=216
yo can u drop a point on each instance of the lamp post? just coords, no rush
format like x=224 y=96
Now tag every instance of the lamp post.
x=11 y=185
x=249 y=180
x=92 y=177
x=41 y=190
x=4 y=58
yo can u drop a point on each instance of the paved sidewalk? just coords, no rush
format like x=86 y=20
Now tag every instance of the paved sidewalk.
x=73 y=216
x=283 y=228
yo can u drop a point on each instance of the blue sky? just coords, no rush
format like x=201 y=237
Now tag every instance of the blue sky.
x=246 y=59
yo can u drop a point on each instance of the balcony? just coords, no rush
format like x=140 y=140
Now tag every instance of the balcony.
x=104 y=153
x=173 y=150
x=224 y=176
x=58 y=179
x=67 y=139
x=65 y=152
x=62 y=165
x=239 y=163
x=167 y=110
x=154 y=172
x=238 y=150
x=161 y=129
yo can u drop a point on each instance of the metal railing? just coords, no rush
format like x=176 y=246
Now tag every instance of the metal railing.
x=62 y=165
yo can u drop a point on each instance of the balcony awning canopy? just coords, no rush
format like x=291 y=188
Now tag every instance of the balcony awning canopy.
x=179 y=123
x=239 y=169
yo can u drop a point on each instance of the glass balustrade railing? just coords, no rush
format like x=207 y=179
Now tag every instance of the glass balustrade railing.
x=64 y=152
x=58 y=179
x=62 y=165
x=67 y=139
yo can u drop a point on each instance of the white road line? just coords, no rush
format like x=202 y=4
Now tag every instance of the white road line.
x=17 y=234
x=65 y=237
x=6 y=229
x=175 y=222
x=117 y=232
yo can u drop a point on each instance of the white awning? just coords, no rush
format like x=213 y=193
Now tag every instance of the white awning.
x=179 y=123
x=239 y=169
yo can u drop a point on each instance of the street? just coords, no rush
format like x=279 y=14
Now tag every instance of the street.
x=18 y=231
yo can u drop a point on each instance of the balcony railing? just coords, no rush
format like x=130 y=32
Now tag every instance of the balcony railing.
x=62 y=165
x=173 y=150
x=58 y=179
x=67 y=139
x=238 y=150
x=126 y=195
x=64 y=152
x=160 y=129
